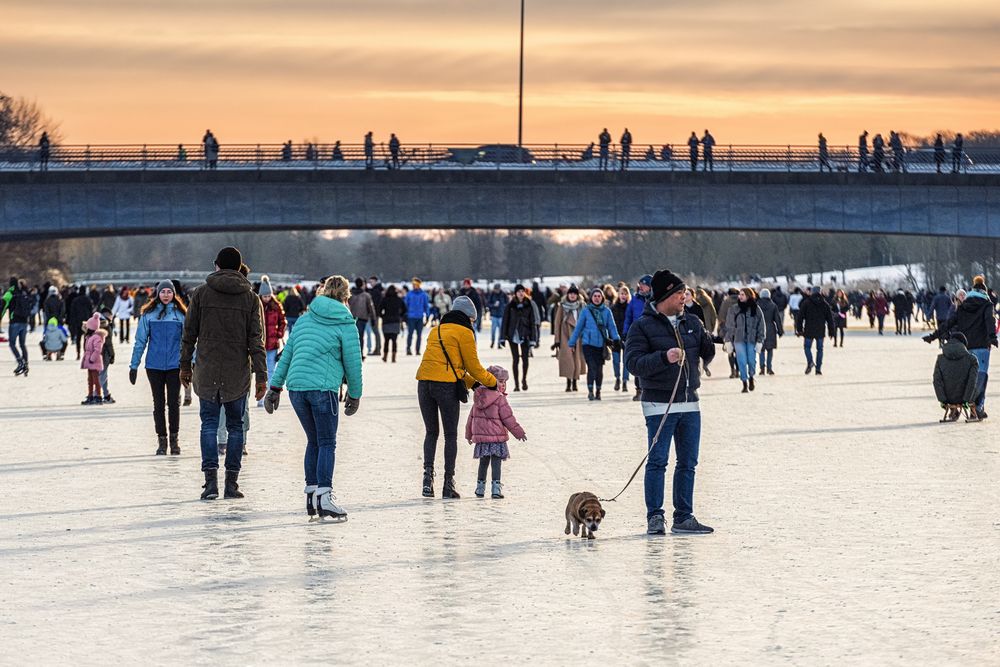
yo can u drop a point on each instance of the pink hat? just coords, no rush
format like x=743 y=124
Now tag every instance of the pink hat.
x=499 y=372
x=94 y=323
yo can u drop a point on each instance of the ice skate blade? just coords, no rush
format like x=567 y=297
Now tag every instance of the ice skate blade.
x=332 y=519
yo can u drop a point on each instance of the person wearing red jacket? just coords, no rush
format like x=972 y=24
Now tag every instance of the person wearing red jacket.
x=274 y=326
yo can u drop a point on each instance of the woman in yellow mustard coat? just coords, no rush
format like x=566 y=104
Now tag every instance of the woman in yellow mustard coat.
x=450 y=355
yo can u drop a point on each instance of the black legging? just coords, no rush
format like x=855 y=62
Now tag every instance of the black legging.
x=387 y=339
x=124 y=329
x=595 y=365
x=519 y=353
x=841 y=330
x=166 y=387
x=439 y=398
x=490 y=461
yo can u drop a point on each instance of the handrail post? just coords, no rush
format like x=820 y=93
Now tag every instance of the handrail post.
x=788 y=163
x=730 y=158
x=258 y=157
x=86 y=157
x=555 y=156
x=145 y=157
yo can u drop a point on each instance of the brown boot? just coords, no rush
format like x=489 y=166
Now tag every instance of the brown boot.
x=385 y=355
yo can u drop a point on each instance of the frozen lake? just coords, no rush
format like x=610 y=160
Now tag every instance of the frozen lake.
x=852 y=528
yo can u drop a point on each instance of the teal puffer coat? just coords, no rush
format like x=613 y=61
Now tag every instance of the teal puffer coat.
x=322 y=350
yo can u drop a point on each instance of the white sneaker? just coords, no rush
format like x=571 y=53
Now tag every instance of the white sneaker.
x=326 y=504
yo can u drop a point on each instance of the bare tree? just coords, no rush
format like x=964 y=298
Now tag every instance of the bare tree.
x=22 y=123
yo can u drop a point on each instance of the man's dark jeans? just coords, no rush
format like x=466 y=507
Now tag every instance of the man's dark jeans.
x=685 y=430
x=209 y=433
x=414 y=326
x=18 y=332
x=807 y=346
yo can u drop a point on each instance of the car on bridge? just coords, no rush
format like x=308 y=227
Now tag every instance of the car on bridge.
x=492 y=154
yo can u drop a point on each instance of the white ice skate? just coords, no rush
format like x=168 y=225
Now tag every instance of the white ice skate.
x=327 y=507
x=310 y=492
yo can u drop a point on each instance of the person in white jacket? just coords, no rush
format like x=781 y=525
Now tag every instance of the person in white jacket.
x=122 y=311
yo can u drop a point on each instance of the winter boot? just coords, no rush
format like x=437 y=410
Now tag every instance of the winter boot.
x=480 y=488
x=745 y=389
x=449 y=490
x=211 y=486
x=524 y=383
x=232 y=488
x=428 y=490
x=310 y=492
x=394 y=355
x=175 y=448
x=625 y=387
x=517 y=385
x=618 y=384
x=569 y=385
x=597 y=393
x=326 y=505
x=590 y=393
x=24 y=372
x=638 y=395
x=497 y=489
x=20 y=368
x=385 y=355
x=575 y=388
x=752 y=386
x=161 y=449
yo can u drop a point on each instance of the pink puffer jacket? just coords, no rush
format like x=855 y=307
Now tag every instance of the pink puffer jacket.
x=92 y=357
x=491 y=418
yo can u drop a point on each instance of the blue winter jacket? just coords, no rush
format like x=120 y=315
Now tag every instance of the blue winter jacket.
x=159 y=335
x=322 y=351
x=633 y=312
x=588 y=326
x=418 y=305
x=942 y=306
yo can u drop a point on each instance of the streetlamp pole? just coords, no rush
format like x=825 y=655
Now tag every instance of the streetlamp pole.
x=520 y=84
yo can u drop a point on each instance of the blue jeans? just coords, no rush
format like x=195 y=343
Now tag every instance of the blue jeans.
x=495 y=334
x=414 y=325
x=290 y=322
x=685 y=430
x=372 y=333
x=807 y=345
x=318 y=413
x=209 y=412
x=766 y=357
x=223 y=432
x=982 y=355
x=621 y=372
x=18 y=332
x=746 y=360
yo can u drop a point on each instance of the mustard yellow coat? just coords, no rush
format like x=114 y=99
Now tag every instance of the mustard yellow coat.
x=461 y=345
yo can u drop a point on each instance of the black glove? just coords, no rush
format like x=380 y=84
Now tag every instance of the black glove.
x=929 y=338
x=132 y=375
x=351 y=405
x=271 y=400
x=555 y=346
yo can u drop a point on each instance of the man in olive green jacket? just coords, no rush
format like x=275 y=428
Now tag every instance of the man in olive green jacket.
x=226 y=323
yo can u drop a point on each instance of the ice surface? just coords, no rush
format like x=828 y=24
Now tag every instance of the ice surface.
x=852 y=528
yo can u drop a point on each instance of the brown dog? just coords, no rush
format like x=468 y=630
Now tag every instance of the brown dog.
x=584 y=511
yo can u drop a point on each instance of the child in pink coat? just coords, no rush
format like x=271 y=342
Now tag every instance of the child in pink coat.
x=93 y=358
x=489 y=421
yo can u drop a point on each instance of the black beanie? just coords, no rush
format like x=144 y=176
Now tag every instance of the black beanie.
x=229 y=258
x=665 y=283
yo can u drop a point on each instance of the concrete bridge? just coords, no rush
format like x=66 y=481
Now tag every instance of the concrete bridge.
x=111 y=202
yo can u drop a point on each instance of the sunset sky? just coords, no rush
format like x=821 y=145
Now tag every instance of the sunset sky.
x=760 y=71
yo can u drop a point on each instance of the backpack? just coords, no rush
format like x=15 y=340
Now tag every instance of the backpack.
x=21 y=305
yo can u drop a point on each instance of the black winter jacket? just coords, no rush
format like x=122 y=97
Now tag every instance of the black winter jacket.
x=955 y=374
x=522 y=318
x=814 y=319
x=974 y=318
x=649 y=339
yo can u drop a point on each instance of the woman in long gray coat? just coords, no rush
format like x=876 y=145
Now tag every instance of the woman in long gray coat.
x=745 y=333
x=775 y=329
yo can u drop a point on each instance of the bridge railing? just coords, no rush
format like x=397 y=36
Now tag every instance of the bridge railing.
x=662 y=157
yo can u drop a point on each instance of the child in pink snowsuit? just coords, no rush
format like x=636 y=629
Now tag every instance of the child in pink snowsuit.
x=93 y=358
x=489 y=421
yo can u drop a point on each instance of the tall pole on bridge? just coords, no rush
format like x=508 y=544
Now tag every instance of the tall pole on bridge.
x=520 y=85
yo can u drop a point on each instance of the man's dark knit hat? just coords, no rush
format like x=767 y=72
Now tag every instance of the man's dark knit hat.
x=229 y=258
x=664 y=284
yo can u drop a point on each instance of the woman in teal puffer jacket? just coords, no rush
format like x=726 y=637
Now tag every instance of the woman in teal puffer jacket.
x=322 y=352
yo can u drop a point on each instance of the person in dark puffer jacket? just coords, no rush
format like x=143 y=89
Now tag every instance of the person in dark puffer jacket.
x=663 y=349
x=956 y=373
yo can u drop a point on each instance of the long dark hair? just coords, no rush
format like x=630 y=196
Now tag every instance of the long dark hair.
x=153 y=302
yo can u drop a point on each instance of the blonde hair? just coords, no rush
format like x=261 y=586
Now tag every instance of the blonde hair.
x=337 y=288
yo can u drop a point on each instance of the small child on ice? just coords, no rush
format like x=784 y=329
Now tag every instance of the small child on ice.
x=489 y=421
x=93 y=358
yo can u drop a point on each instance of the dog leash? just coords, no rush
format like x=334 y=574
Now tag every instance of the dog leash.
x=663 y=420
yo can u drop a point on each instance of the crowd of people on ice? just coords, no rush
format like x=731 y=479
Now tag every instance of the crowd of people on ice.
x=231 y=341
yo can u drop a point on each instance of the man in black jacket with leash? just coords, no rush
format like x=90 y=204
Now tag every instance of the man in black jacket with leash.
x=663 y=349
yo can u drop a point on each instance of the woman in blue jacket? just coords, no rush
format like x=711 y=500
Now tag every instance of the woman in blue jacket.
x=323 y=352
x=161 y=323
x=595 y=328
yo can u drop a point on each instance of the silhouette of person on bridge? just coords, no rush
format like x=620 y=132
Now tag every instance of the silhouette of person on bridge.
x=956 y=153
x=588 y=153
x=824 y=154
x=338 y=152
x=369 y=151
x=707 y=143
x=286 y=151
x=43 y=152
x=394 y=150
x=939 y=152
x=650 y=154
x=210 y=148
x=666 y=153
x=693 y=150
x=898 y=156
x=863 y=152
x=605 y=140
x=878 y=152
x=626 y=148
x=182 y=154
